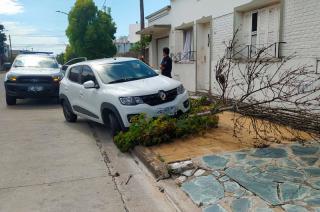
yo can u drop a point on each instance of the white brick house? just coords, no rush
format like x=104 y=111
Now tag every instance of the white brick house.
x=196 y=32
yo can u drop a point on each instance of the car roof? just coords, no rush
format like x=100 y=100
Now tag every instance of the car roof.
x=107 y=61
x=35 y=55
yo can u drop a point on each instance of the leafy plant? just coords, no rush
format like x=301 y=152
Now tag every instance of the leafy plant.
x=152 y=131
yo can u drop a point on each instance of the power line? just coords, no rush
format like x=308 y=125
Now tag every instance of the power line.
x=37 y=36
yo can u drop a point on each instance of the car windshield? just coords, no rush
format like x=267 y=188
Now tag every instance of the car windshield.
x=35 y=61
x=124 y=71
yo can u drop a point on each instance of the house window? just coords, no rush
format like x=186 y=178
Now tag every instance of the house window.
x=187 y=53
x=254 y=22
x=259 y=29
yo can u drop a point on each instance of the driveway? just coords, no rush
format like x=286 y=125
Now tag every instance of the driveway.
x=47 y=164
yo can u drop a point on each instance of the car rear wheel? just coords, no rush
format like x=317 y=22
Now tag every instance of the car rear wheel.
x=67 y=112
x=11 y=100
x=114 y=124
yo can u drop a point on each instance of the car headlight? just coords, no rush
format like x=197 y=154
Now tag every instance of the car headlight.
x=12 y=78
x=131 y=100
x=180 y=90
x=56 y=78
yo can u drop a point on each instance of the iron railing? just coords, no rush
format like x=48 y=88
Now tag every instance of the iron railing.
x=264 y=51
x=184 y=56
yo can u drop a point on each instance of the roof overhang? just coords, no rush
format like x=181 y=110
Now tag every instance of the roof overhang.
x=185 y=26
x=155 y=30
x=165 y=9
x=204 y=19
x=255 y=4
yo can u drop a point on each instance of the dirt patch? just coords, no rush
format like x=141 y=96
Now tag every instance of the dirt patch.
x=217 y=140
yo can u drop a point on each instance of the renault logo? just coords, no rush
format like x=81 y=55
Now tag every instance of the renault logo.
x=162 y=95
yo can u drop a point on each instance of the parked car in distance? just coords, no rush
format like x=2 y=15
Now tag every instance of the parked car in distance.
x=112 y=91
x=32 y=76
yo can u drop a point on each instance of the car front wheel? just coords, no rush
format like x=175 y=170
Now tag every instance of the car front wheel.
x=11 y=100
x=114 y=124
x=67 y=112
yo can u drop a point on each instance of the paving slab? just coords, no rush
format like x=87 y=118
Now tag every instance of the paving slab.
x=215 y=162
x=214 y=208
x=294 y=208
x=304 y=150
x=270 y=153
x=265 y=189
x=273 y=177
x=204 y=190
x=241 y=205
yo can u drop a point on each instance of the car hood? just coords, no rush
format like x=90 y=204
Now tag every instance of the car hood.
x=34 y=71
x=143 y=87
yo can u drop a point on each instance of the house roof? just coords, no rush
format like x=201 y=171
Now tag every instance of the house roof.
x=155 y=29
x=166 y=8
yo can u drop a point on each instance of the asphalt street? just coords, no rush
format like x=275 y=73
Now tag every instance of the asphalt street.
x=47 y=164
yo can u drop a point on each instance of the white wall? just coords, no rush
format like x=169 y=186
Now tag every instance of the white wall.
x=133 y=36
x=300 y=28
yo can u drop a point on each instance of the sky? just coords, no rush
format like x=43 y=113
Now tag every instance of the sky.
x=35 y=24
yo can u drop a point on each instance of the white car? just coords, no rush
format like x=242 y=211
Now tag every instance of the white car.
x=112 y=91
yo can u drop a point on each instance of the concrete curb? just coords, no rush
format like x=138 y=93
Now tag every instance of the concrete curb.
x=151 y=161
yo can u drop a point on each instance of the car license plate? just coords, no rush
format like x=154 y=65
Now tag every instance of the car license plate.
x=35 y=88
x=170 y=111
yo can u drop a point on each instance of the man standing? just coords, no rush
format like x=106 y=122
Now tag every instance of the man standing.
x=166 y=64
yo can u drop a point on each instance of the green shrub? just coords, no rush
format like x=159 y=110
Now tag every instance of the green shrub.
x=152 y=131
x=201 y=104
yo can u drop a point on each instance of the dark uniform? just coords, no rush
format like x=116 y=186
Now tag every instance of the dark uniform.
x=167 y=66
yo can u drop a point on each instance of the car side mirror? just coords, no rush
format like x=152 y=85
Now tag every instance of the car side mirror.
x=7 y=66
x=64 y=67
x=89 y=84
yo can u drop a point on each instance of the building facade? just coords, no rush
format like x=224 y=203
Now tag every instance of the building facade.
x=198 y=32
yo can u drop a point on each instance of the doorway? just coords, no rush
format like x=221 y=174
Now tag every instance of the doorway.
x=203 y=56
x=161 y=43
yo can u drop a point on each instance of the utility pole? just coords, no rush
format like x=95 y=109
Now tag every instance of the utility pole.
x=10 y=48
x=142 y=25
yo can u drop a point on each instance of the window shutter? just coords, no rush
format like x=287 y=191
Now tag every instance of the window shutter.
x=246 y=29
x=273 y=24
x=262 y=28
x=178 y=41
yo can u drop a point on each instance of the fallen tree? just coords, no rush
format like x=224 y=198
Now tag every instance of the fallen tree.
x=269 y=92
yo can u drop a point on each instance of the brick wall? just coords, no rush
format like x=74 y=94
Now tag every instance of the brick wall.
x=301 y=28
x=222 y=35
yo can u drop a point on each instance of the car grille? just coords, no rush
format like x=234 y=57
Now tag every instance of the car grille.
x=154 y=99
x=34 y=79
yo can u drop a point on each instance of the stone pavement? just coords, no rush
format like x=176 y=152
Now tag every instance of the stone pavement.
x=280 y=178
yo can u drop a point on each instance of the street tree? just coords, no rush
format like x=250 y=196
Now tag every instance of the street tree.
x=141 y=45
x=90 y=31
x=273 y=99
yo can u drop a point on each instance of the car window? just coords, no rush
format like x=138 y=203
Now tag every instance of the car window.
x=35 y=61
x=74 y=74
x=87 y=75
x=124 y=71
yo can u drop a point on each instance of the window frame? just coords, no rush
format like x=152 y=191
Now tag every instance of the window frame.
x=79 y=77
x=89 y=68
x=185 y=31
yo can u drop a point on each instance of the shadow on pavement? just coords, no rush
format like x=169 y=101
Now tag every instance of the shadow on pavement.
x=35 y=104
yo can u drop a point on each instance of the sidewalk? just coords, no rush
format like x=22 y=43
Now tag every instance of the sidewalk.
x=279 y=178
